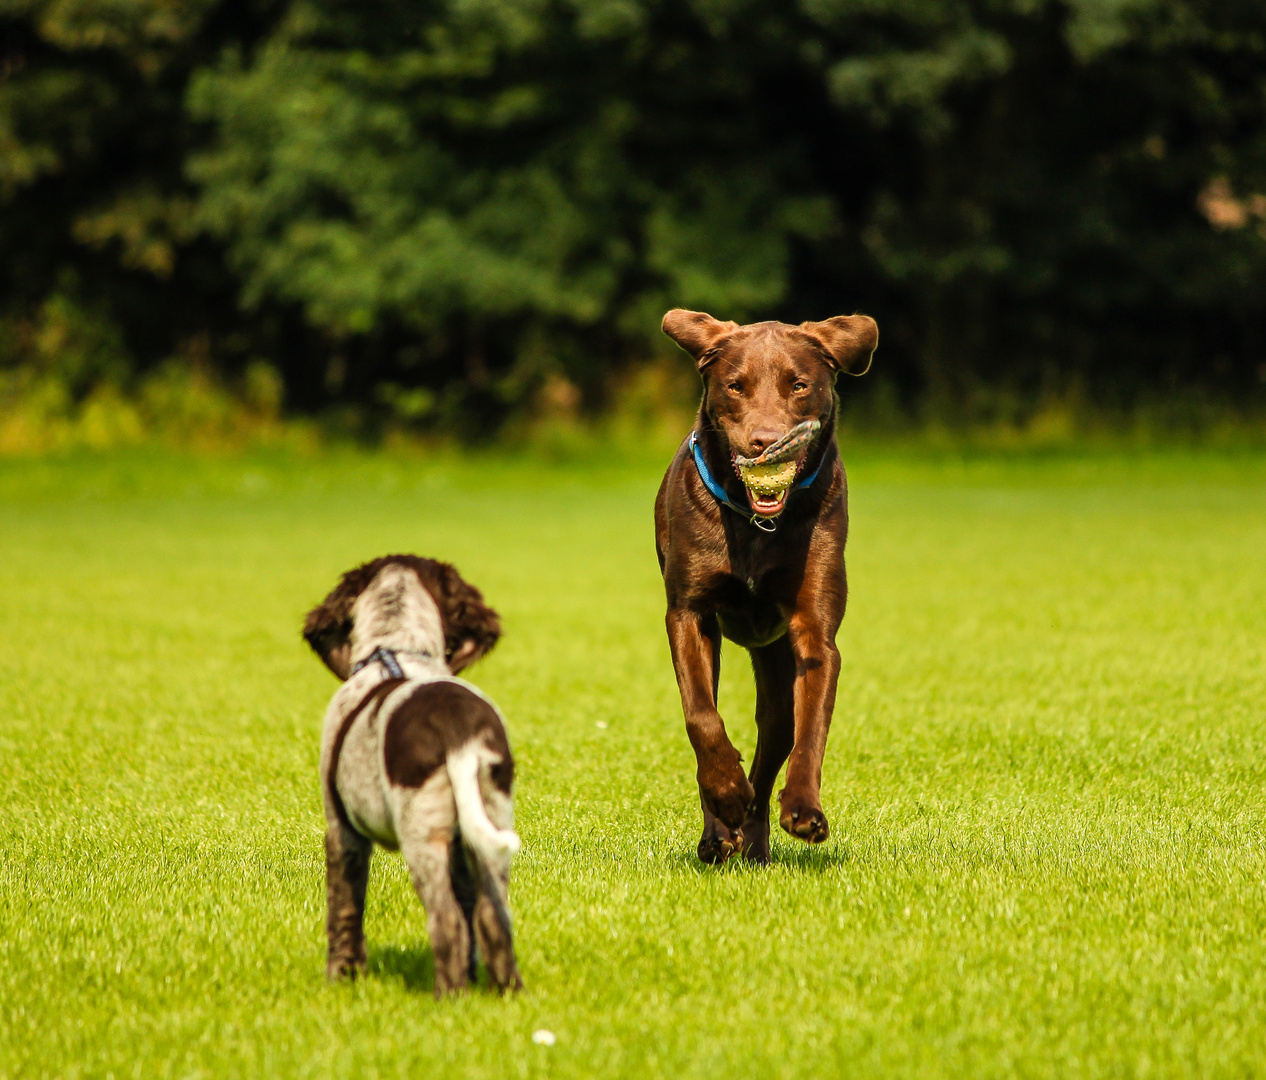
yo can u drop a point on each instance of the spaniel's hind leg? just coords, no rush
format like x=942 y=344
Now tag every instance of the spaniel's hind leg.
x=346 y=877
x=465 y=881
x=427 y=821
x=491 y=920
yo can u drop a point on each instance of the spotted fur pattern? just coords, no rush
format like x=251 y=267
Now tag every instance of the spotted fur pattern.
x=420 y=764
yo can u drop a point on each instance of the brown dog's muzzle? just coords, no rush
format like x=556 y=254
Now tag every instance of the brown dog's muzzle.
x=768 y=477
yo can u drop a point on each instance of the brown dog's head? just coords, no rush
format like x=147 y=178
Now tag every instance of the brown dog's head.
x=761 y=380
x=471 y=628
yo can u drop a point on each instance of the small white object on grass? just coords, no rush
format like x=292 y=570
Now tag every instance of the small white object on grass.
x=602 y=724
x=543 y=1038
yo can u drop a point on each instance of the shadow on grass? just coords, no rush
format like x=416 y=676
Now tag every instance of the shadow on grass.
x=806 y=858
x=811 y=858
x=413 y=965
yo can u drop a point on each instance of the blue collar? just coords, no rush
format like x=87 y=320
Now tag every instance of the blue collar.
x=718 y=492
x=384 y=656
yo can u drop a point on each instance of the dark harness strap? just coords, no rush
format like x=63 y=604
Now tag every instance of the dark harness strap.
x=375 y=696
x=718 y=492
x=386 y=657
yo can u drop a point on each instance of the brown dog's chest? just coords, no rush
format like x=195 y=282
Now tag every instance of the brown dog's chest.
x=751 y=596
x=754 y=624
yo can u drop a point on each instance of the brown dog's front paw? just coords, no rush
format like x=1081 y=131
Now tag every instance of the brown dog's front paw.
x=718 y=844
x=726 y=790
x=803 y=820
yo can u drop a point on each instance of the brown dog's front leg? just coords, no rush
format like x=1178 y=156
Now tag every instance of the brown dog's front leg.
x=347 y=856
x=723 y=786
x=817 y=674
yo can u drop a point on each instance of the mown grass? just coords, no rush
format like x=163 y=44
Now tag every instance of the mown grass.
x=1045 y=780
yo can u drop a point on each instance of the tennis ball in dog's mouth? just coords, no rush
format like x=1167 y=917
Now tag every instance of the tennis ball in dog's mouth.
x=768 y=480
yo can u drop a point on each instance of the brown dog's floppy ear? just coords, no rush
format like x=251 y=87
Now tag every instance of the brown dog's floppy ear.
x=696 y=332
x=849 y=341
x=471 y=627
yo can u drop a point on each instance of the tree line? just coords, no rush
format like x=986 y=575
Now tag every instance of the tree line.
x=428 y=209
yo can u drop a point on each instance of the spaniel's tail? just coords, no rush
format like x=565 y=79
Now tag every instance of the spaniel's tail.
x=466 y=772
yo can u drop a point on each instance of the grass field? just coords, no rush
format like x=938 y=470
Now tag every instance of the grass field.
x=1046 y=780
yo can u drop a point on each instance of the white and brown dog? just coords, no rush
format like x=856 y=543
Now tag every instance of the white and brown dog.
x=416 y=759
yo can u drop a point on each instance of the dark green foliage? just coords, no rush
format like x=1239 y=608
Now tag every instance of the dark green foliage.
x=103 y=271
x=432 y=207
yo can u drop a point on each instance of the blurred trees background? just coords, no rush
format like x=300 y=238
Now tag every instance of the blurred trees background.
x=430 y=210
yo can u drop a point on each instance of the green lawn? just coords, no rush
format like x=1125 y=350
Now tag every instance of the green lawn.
x=1046 y=780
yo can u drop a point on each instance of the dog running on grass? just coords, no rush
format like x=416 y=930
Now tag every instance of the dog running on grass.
x=416 y=759
x=750 y=526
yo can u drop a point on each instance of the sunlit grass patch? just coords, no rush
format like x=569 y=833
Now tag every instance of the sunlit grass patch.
x=1046 y=780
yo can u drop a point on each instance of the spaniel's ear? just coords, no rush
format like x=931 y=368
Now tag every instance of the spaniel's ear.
x=328 y=627
x=849 y=341
x=697 y=332
x=471 y=627
x=328 y=630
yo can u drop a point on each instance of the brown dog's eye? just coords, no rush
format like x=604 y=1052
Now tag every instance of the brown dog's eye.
x=735 y=388
x=800 y=386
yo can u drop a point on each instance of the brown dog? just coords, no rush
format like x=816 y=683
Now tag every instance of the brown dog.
x=759 y=562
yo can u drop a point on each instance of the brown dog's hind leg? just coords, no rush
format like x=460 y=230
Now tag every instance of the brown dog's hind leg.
x=774 y=666
x=347 y=855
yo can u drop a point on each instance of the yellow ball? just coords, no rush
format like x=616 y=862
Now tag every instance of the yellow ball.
x=768 y=479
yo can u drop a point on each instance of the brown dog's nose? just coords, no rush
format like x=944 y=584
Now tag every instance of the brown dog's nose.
x=763 y=439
